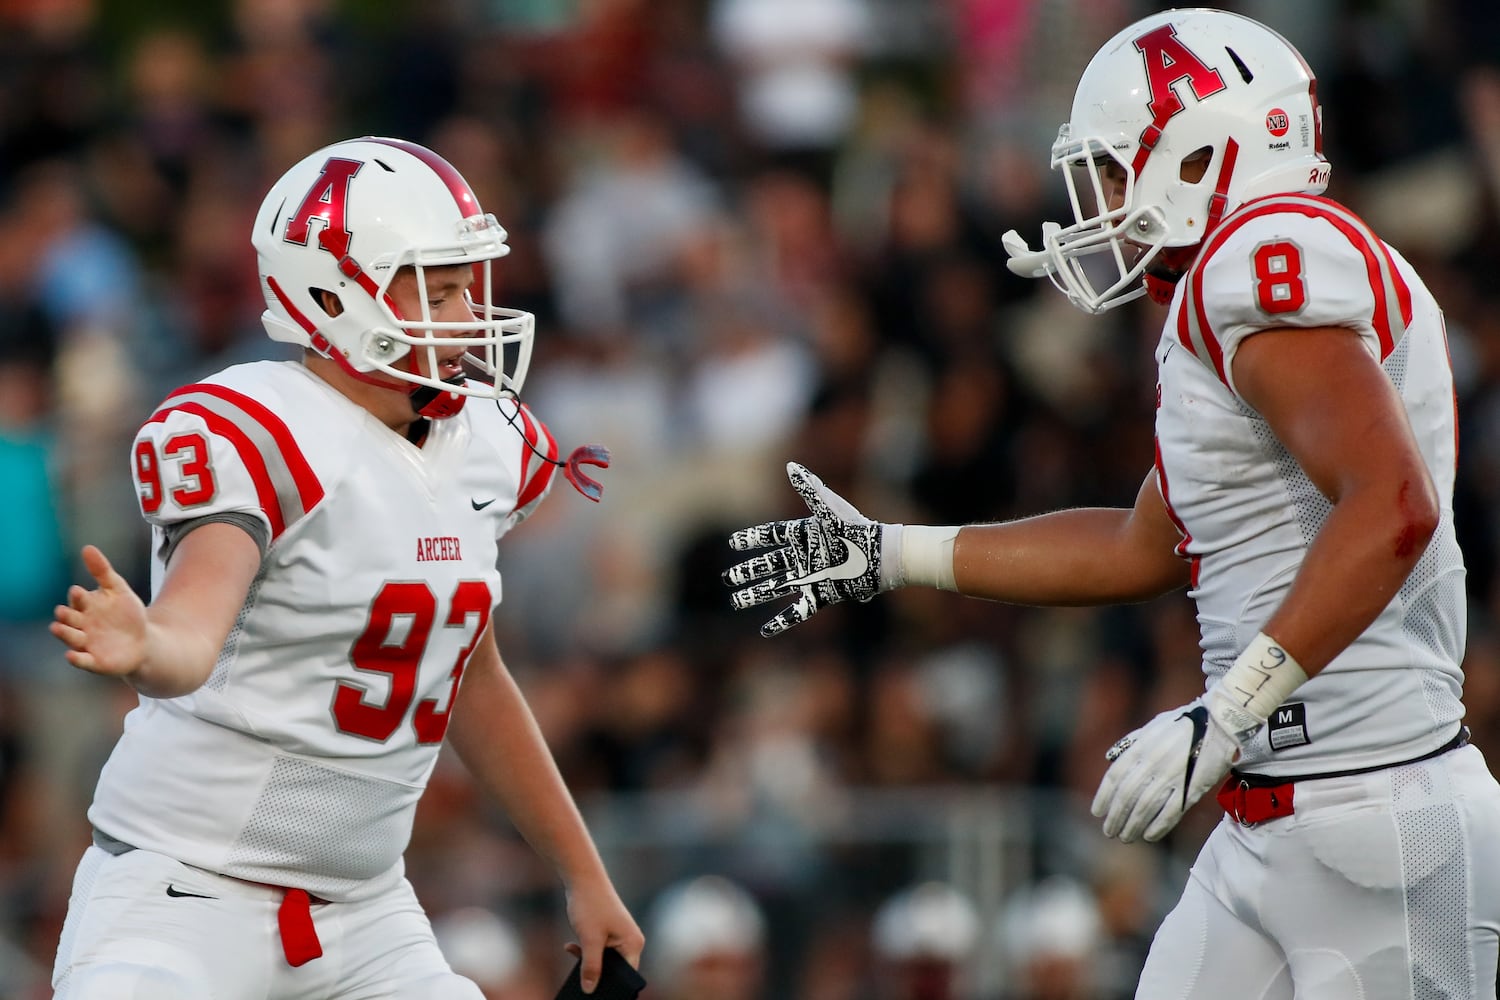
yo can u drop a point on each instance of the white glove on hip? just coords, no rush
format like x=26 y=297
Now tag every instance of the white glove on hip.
x=1157 y=772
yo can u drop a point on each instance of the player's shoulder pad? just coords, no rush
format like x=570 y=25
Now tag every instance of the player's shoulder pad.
x=1291 y=261
x=522 y=443
x=237 y=441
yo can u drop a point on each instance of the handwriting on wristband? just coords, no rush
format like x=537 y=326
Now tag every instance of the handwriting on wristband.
x=1277 y=656
x=1273 y=657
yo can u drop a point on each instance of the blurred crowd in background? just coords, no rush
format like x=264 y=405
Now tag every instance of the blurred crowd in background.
x=752 y=231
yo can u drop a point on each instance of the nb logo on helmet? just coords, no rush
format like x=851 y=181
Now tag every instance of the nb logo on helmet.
x=327 y=201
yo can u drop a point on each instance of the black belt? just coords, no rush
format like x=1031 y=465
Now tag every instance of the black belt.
x=1461 y=738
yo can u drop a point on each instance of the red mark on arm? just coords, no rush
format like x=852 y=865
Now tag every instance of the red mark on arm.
x=1406 y=542
x=1406 y=539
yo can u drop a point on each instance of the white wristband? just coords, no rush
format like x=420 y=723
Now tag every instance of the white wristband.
x=918 y=555
x=1261 y=679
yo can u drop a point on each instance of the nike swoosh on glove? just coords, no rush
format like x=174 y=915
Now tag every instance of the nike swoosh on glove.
x=829 y=557
x=1157 y=772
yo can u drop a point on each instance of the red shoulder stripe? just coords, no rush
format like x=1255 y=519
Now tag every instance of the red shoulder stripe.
x=1382 y=318
x=538 y=437
x=265 y=489
x=1210 y=339
x=309 y=490
x=1378 y=261
x=1403 y=290
x=1184 y=335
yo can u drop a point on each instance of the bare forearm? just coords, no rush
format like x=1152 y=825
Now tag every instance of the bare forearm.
x=497 y=738
x=168 y=649
x=177 y=657
x=1337 y=413
x=1073 y=557
x=186 y=624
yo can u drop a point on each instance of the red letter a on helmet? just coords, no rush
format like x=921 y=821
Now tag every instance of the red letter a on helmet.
x=1168 y=61
x=327 y=201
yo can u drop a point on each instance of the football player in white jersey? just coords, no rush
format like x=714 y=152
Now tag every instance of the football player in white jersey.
x=325 y=568
x=1301 y=490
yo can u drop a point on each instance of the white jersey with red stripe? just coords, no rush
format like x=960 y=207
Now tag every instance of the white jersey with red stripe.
x=300 y=761
x=1248 y=512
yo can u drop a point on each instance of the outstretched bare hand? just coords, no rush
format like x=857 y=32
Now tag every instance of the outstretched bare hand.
x=104 y=628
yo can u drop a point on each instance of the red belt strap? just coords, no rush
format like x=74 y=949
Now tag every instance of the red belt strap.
x=1249 y=805
x=299 y=938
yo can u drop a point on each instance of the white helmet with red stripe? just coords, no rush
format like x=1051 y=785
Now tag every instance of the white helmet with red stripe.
x=1178 y=85
x=346 y=219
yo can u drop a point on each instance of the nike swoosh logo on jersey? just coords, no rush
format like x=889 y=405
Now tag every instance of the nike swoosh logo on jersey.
x=481 y=506
x=1199 y=718
x=854 y=565
x=177 y=893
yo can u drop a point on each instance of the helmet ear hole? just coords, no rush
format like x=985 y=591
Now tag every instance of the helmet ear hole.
x=329 y=300
x=1194 y=166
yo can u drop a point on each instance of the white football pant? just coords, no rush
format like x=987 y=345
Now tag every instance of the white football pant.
x=142 y=926
x=1381 y=886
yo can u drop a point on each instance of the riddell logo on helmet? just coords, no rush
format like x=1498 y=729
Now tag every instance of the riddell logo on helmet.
x=1277 y=122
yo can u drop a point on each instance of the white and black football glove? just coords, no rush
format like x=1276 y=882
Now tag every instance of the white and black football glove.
x=830 y=557
x=1157 y=772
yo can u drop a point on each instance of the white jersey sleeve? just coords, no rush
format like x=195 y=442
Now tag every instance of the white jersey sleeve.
x=211 y=450
x=1293 y=261
x=538 y=461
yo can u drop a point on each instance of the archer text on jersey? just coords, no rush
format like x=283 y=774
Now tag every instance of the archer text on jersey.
x=441 y=548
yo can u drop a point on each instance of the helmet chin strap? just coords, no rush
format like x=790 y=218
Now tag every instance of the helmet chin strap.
x=1160 y=289
x=426 y=400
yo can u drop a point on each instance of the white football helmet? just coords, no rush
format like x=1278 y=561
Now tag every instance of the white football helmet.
x=345 y=220
x=1172 y=85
